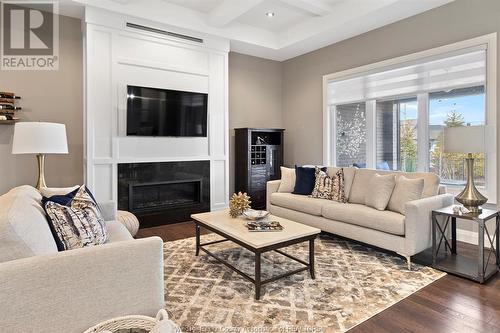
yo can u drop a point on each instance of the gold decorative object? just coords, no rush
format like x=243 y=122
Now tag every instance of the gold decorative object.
x=470 y=197
x=238 y=204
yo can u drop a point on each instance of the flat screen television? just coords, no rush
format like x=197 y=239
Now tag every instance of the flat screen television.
x=162 y=112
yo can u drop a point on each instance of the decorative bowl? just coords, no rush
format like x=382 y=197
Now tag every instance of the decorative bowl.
x=255 y=215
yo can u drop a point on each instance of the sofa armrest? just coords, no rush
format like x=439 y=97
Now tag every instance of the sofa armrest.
x=271 y=187
x=73 y=290
x=108 y=210
x=418 y=221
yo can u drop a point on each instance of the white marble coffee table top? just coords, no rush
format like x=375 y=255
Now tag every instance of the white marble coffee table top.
x=236 y=228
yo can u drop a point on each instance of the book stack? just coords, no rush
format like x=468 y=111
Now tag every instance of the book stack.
x=264 y=226
x=8 y=107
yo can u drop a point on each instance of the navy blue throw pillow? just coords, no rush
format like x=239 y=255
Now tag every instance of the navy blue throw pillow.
x=62 y=199
x=304 y=180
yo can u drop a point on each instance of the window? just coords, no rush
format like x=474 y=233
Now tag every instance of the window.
x=351 y=135
x=397 y=134
x=452 y=108
x=392 y=115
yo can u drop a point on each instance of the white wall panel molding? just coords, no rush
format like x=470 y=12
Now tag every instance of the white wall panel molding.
x=116 y=57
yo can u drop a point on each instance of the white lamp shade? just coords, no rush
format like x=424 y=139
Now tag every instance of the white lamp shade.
x=464 y=139
x=39 y=138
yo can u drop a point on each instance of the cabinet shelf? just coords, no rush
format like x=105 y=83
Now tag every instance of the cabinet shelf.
x=259 y=155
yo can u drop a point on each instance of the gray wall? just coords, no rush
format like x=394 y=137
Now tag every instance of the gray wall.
x=53 y=96
x=255 y=98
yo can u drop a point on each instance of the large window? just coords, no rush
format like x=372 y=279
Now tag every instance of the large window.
x=393 y=117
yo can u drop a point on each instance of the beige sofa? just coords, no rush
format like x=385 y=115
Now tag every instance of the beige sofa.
x=406 y=234
x=43 y=290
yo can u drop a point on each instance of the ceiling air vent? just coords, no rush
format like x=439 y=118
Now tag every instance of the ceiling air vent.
x=164 y=32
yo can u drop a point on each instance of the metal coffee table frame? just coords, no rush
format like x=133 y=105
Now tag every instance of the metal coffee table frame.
x=257 y=280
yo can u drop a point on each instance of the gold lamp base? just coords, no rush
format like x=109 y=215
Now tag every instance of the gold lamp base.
x=470 y=197
x=41 y=171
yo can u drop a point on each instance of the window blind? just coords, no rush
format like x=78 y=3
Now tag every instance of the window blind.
x=467 y=68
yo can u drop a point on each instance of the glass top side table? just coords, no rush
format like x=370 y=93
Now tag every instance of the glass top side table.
x=444 y=245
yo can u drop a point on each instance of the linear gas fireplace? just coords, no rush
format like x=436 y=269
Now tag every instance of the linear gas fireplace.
x=164 y=192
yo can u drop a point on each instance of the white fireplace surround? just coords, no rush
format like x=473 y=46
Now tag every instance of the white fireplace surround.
x=117 y=56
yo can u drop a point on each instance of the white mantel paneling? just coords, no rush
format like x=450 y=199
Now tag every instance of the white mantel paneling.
x=117 y=56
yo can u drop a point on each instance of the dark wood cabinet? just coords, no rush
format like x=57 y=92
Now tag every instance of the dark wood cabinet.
x=258 y=157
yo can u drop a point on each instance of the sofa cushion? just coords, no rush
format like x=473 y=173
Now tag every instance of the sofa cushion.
x=381 y=189
x=359 y=189
x=406 y=190
x=298 y=202
x=78 y=223
x=304 y=180
x=386 y=221
x=322 y=185
x=24 y=231
x=287 y=180
x=348 y=178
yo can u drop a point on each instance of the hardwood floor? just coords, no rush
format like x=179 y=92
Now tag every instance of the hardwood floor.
x=451 y=304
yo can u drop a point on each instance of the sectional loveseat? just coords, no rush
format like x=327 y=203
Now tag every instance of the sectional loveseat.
x=406 y=234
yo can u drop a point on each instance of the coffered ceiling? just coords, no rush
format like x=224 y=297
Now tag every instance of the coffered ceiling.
x=274 y=29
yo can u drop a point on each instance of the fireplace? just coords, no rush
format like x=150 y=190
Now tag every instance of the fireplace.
x=164 y=192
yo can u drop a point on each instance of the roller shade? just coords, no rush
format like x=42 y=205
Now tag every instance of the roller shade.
x=454 y=71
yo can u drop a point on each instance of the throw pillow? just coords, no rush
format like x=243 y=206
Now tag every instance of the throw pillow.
x=287 y=180
x=62 y=199
x=338 y=187
x=381 y=187
x=405 y=190
x=322 y=185
x=77 y=224
x=304 y=180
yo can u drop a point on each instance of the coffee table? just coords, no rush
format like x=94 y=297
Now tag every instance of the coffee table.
x=234 y=229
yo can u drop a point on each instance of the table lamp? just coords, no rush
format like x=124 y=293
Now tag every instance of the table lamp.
x=39 y=138
x=469 y=140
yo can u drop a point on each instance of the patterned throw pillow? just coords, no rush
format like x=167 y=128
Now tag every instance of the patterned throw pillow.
x=322 y=185
x=77 y=224
x=338 y=187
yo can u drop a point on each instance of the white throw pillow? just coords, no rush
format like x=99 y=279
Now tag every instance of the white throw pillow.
x=51 y=191
x=381 y=187
x=287 y=180
x=406 y=190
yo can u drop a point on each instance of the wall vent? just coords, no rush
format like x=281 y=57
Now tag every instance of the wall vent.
x=164 y=32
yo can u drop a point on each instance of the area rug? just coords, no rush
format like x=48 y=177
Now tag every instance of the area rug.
x=353 y=283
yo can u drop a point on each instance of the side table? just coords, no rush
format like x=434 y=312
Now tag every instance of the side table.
x=478 y=269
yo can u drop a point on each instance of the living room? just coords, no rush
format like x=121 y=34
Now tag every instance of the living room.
x=249 y=165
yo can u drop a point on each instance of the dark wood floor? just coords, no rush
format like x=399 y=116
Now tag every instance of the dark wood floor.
x=451 y=304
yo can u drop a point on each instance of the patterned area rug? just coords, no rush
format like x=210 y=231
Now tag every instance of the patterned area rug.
x=353 y=283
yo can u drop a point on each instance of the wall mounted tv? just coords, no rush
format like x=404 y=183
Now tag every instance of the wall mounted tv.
x=162 y=112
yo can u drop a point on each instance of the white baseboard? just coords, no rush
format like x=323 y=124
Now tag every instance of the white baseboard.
x=471 y=237
x=467 y=236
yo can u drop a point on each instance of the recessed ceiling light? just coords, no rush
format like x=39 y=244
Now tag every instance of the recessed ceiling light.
x=270 y=14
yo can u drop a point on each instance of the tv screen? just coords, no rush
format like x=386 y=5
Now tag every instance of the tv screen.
x=161 y=112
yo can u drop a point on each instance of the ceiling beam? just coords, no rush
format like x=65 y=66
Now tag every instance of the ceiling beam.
x=229 y=10
x=316 y=7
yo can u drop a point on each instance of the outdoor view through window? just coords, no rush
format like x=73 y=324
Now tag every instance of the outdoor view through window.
x=396 y=132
